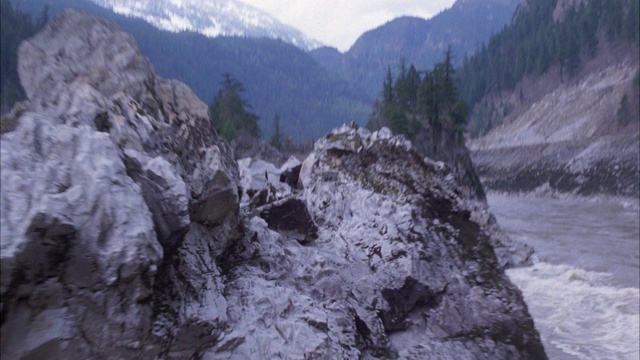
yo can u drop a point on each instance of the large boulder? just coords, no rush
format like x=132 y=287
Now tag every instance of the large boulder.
x=81 y=70
x=79 y=249
x=117 y=196
x=398 y=269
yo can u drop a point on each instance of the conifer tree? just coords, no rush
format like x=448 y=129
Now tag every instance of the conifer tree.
x=276 y=139
x=230 y=113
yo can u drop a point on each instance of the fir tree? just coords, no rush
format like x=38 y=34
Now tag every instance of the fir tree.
x=230 y=113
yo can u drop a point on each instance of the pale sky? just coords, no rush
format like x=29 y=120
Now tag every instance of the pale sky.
x=339 y=23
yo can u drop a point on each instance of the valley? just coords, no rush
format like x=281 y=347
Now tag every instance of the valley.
x=198 y=180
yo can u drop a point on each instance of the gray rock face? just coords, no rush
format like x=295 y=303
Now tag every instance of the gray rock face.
x=117 y=195
x=579 y=137
x=79 y=249
x=398 y=269
x=124 y=233
x=98 y=77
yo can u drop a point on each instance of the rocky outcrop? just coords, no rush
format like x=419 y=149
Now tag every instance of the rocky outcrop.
x=398 y=268
x=128 y=230
x=448 y=146
x=115 y=190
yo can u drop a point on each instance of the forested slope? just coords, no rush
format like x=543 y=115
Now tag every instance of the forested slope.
x=545 y=36
x=280 y=79
x=555 y=100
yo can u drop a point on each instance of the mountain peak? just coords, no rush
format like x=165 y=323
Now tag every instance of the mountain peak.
x=211 y=18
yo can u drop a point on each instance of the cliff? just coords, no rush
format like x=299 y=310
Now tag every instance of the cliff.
x=128 y=230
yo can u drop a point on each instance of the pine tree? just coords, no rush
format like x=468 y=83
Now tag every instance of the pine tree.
x=230 y=113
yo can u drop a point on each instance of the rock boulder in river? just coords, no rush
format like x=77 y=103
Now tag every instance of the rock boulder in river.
x=124 y=233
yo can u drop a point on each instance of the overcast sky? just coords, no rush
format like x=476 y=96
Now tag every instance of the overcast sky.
x=339 y=23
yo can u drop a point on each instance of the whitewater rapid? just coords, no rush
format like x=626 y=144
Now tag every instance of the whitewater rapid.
x=584 y=289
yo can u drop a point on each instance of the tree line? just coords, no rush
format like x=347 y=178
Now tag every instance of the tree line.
x=535 y=41
x=231 y=116
x=421 y=98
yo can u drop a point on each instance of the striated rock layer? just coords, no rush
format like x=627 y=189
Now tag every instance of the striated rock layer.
x=128 y=232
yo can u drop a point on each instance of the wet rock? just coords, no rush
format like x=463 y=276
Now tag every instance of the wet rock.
x=290 y=172
x=79 y=249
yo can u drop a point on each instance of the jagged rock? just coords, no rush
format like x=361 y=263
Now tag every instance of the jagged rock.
x=290 y=172
x=81 y=70
x=117 y=197
x=79 y=250
x=122 y=235
x=260 y=183
x=164 y=192
x=290 y=216
x=398 y=269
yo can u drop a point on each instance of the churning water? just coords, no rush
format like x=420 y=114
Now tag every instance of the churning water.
x=583 y=291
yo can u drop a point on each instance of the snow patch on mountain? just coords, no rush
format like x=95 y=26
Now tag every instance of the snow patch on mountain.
x=211 y=18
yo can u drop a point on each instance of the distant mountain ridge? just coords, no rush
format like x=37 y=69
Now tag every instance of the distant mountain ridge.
x=211 y=18
x=464 y=27
x=312 y=92
x=279 y=78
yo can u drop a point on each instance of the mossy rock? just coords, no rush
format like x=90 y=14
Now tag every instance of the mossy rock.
x=8 y=124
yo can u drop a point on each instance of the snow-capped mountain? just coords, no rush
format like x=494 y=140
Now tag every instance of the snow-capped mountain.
x=211 y=18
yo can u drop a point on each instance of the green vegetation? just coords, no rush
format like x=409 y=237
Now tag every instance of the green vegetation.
x=15 y=26
x=229 y=112
x=413 y=101
x=535 y=41
x=464 y=26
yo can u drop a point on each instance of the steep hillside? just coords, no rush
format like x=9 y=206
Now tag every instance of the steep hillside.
x=464 y=26
x=279 y=78
x=574 y=127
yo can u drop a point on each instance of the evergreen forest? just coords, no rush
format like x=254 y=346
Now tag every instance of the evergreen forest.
x=421 y=98
x=535 y=41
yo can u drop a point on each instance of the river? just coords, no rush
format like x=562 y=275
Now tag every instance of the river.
x=583 y=290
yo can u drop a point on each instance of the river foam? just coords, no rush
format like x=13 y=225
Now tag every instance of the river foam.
x=578 y=315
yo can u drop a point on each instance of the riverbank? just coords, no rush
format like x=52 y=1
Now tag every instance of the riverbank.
x=546 y=192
